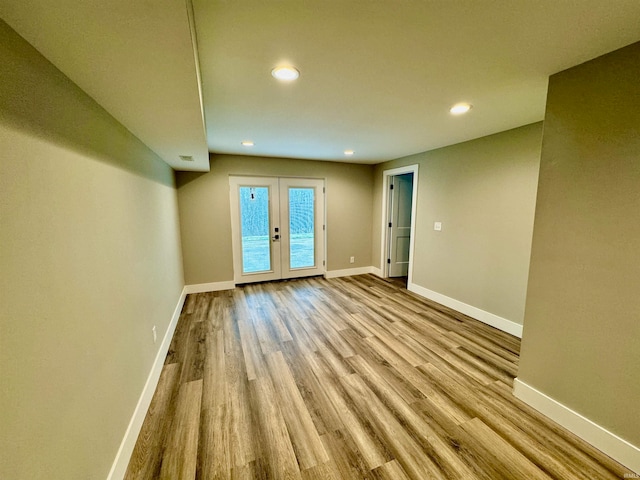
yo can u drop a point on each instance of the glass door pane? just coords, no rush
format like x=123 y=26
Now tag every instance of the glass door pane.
x=255 y=231
x=301 y=228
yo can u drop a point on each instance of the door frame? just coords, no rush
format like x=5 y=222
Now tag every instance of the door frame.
x=384 y=222
x=235 y=180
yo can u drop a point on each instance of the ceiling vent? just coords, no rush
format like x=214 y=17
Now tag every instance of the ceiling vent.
x=186 y=158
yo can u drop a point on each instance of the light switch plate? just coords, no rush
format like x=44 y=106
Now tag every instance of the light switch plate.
x=437 y=226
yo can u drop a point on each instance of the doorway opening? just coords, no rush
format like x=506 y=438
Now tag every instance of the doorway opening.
x=277 y=227
x=400 y=190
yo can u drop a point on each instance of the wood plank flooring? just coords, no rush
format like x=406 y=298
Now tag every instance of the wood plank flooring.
x=347 y=378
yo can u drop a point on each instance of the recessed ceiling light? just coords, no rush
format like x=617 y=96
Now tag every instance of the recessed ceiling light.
x=460 y=108
x=247 y=143
x=286 y=74
x=349 y=152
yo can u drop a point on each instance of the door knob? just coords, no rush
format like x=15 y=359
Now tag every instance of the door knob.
x=275 y=237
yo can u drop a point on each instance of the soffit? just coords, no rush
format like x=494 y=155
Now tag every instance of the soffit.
x=135 y=58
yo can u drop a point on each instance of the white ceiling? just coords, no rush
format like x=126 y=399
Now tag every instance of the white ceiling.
x=377 y=76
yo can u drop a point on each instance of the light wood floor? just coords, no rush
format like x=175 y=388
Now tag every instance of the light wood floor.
x=347 y=378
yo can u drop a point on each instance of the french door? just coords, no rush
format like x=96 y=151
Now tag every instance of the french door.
x=277 y=227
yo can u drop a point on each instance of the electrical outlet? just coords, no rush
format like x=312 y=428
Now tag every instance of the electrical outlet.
x=437 y=226
x=155 y=335
x=352 y=259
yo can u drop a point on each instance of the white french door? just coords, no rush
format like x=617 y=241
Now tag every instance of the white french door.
x=277 y=227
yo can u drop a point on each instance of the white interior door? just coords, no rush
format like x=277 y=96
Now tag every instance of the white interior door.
x=277 y=228
x=400 y=224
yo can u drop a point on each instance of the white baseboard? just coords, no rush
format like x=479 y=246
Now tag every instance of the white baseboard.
x=500 y=323
x=120 y=463
x=347 y=272
x=210 y=287
x=377 y=272
x=605 y=441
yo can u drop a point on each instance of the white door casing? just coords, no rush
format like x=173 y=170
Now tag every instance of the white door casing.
x=385 y=238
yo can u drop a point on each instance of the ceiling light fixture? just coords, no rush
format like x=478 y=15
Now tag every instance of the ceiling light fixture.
x=460 y=108
x=286 y=74
x=247 y=143
x=349 y=152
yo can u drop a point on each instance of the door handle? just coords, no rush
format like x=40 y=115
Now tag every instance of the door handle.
x=275 y=237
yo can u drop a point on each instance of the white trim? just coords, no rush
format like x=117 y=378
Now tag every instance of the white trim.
x=500 y=323
x=385 y=215
x=210 y=287
x=376 y=271
x=120 y=463
x=325 y=227
x=347 y=272
x=605 y=441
